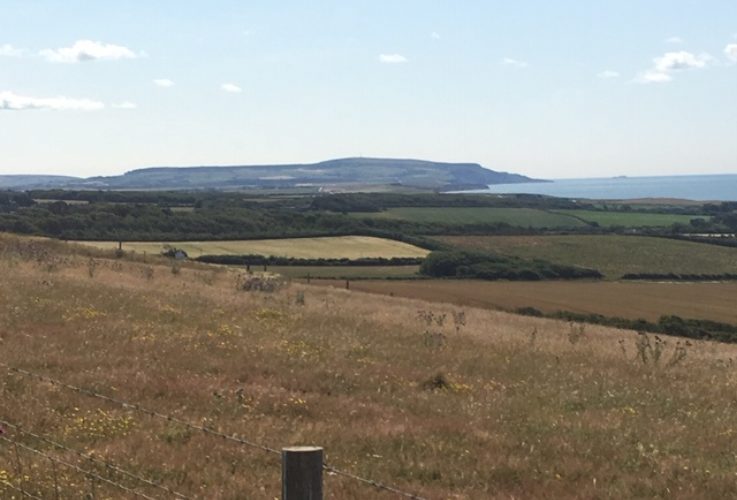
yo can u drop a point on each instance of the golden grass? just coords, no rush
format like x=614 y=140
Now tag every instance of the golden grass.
x=529 y=408
x=339 y=247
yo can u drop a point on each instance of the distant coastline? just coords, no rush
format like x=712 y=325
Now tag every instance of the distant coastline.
x=715 y=187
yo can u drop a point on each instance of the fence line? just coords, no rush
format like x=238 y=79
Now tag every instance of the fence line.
x=105 y=463
x=139 y=408
x=77 y=468
x=22 y=491
x=202 y=428
x=375 y=484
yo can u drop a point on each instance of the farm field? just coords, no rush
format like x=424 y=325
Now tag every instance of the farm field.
x=323 y=272
x=612 y=255
x=711 y=301
x=524 y=217
x=437 y=400
x=350 y=247
x=628 y=219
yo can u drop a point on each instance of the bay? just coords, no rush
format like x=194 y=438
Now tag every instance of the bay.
x=721 y=187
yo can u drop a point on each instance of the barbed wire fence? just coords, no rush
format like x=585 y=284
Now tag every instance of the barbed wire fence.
x=110 y=467
x=106 y=464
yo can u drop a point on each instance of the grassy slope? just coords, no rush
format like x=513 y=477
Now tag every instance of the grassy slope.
x=351 y=247
x=612 y=255
x=532 y=409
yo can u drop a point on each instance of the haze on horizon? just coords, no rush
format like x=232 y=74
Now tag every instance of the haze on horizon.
x=545 y=89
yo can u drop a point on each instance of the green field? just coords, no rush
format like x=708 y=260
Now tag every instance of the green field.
x=612 y=255
x=524 y=217
x=348 y=247
x=530 y=217
x=628 y=219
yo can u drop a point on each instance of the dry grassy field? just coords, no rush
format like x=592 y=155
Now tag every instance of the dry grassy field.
x=438 y=400
x=712 y=301
x=339 y=247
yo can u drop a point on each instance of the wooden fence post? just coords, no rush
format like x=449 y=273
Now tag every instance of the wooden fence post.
x=301 y=473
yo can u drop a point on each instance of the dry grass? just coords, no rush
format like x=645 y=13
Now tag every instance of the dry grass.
x=338 y=247
x=479 y=405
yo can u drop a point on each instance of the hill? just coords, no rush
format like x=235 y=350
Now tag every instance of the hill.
x=35 y=181
x=332 y=174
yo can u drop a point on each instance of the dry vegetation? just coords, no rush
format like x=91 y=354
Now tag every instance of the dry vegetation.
x=433 y=399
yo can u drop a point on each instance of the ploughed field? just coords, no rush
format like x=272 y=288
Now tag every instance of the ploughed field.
x=709 y=301
x=339 y=247
x=344 y=272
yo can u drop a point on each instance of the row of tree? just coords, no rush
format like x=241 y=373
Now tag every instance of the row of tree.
x=488 y=266
x=698 y=329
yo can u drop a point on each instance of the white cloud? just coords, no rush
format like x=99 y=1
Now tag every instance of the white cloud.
x=676 y=61
x=87 y=50
x=608 y=74
x=731 y=52
x=508 y=61
x=229 y=87
x=164 y=82
x=9 y=51
x=125 y=105
x=672 y=62
x=653 y=77
x=11 y=101
x=392 y=58
x=674 y=39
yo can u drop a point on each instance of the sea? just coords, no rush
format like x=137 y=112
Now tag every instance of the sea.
x=722 y=187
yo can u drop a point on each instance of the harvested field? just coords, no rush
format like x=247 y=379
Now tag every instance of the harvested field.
x=713 y=301
x=349 y=247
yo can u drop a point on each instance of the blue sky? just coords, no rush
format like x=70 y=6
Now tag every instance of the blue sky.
x=547 y=89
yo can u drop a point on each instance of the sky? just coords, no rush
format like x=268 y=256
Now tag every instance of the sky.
x=564 y=89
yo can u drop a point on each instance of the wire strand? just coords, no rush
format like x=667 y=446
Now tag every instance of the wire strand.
x=204 y=429
x=139 y=408
x=22 y=491
x=375 y=484
x=107 y=464
x=78 y=469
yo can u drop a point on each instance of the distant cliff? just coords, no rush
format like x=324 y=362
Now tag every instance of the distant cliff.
x=348 y=172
